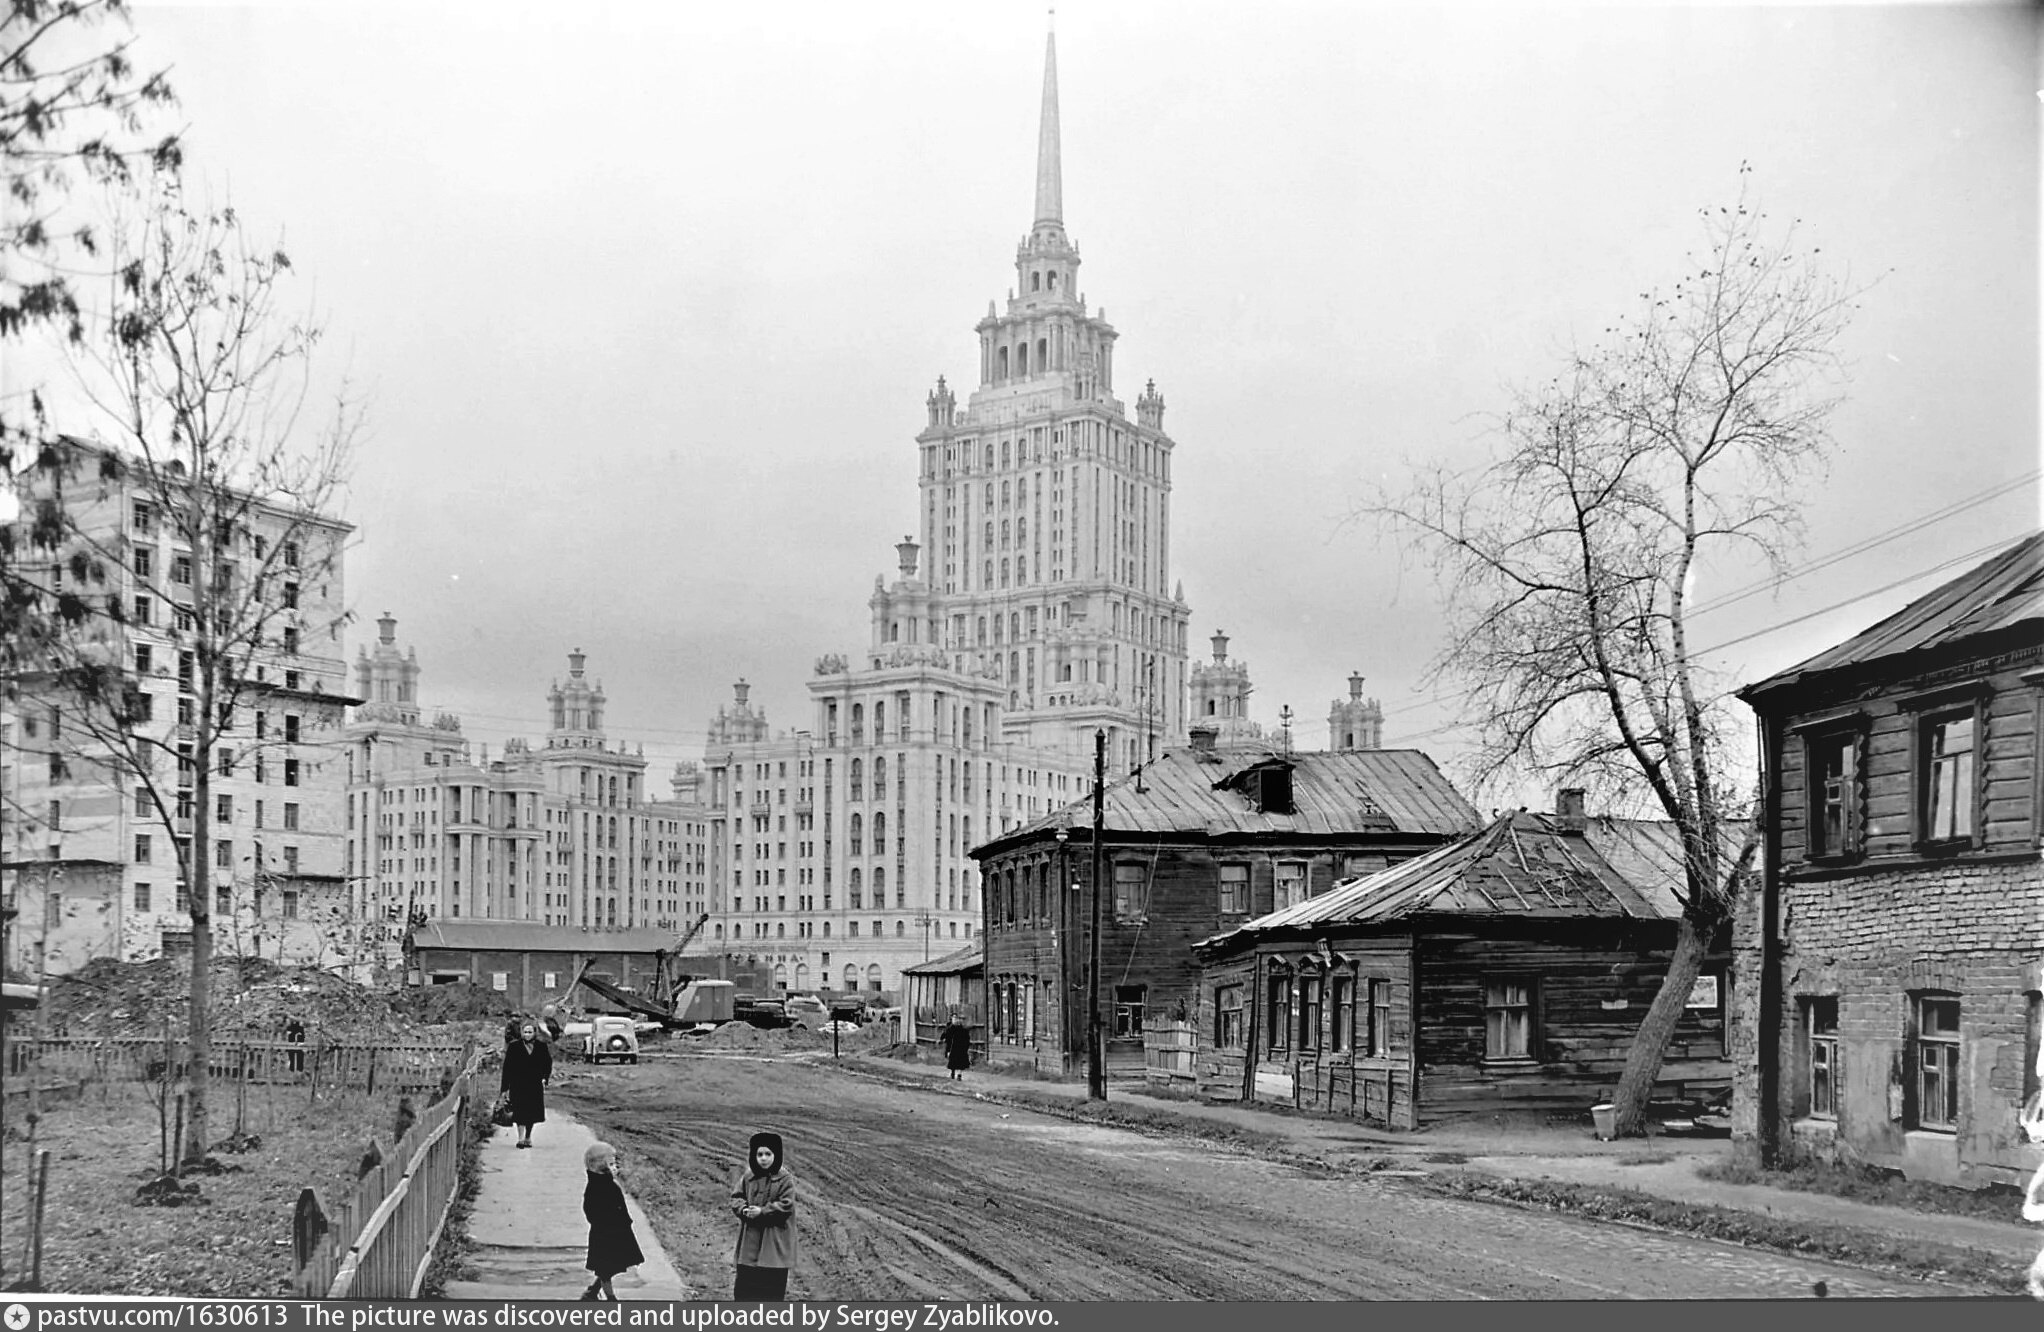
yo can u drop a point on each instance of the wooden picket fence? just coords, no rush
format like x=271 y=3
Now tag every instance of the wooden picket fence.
x=316 y=1064
x=377 y=1243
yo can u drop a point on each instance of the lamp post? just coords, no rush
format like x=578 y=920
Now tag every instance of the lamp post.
x=1096 y=1069
x=1062 y=941
x=926 y=920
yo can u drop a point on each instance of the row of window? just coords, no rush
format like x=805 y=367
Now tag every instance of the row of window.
x=1932 y=1050
x=1945 y=783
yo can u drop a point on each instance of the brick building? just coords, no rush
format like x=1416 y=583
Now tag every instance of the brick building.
x=1200 y=841
x=1896 y=946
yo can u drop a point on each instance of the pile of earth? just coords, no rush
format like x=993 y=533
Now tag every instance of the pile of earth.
x=250 y=998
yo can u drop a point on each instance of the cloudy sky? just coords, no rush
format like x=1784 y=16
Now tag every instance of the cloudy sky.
x=646 y=299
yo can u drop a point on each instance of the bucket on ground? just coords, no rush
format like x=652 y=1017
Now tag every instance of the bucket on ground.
x=1605 y=1117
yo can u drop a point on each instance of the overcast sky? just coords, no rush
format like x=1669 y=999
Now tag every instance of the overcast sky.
x=647 y=298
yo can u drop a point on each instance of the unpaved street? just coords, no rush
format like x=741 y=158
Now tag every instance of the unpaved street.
x=909 y=1194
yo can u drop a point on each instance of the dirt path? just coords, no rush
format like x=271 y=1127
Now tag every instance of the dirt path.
x=908 y=1195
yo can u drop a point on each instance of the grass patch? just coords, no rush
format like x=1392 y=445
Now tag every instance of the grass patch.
x=1143 y=1119
x=1839 y=1243
x=1869 y=1184
x=1447 y=1158
x=231 y=1237
x=451 y=1252
x=1645 y=1158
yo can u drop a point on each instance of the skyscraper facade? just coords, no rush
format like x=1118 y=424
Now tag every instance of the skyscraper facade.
x=1036 y=612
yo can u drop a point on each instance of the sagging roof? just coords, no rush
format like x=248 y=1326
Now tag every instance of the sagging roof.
x=2001 y=593
x=517 y=936
x=965 y=959
x=1386 y=791
x=1522 y=865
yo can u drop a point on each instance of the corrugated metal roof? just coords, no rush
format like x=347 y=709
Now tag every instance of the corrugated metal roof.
x=1351 y=791
x=1522 y=865
x=530 y=936
x=965 y=959
x=2003 y=592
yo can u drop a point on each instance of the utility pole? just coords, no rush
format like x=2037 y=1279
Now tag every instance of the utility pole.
x=1096 y=1069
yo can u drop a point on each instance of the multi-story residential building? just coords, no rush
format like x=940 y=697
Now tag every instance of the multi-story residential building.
x=1891 y=965
x=1044 y=614
x=96 y=849
x=562 y=834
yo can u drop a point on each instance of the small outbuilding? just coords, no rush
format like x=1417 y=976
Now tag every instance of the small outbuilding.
x=934 y=991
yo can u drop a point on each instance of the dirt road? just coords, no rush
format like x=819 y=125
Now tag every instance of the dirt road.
x=908 y=1194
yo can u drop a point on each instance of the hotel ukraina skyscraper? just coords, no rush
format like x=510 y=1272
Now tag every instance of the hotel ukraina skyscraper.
x=1036 y=610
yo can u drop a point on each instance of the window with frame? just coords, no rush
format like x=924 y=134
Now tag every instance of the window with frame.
x=1508 y=1019
x=1377 y=1033
x=1228 y=1017
x=1834 y=817
x=1946 y=774
x=1312 y=989
x=1129 y=1003
x=141 y=897
x=1279 y=1009
x=1937 y=1062
x=1821 y=1070
x=144 y=848
x=2033 y=1037
x=1341 y=1003
x=1290 y=884
x=1128 y=890
x=1234 y=890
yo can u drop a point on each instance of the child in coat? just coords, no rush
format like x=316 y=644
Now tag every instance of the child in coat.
x=612 y=1245
x=763 y=1199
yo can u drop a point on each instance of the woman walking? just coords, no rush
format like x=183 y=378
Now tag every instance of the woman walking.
x=528 y=1067
x=763 y=1199
x=612 y=1245
x=957 y=1040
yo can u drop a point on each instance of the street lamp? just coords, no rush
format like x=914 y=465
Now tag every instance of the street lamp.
x=1063 y=939
x=926 y=920
x=1096 y=1070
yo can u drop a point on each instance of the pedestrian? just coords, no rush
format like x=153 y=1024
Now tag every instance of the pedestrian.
x=957 y=1040
x=294 y=1036
x=763 y=1199
x=528 y=1068
x=612 y=1245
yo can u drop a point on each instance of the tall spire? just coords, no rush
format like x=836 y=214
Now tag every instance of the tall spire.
x=1050 y=188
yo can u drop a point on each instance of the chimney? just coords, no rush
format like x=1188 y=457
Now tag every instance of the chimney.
x=907 y=550
x=1203 y=738
x=1568 y=809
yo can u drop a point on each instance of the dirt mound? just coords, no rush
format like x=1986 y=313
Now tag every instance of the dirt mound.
x=459 y=1002
x=742 y=1036
x=251 y=998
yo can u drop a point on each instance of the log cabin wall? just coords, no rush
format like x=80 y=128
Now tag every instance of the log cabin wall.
x=1556 y=1039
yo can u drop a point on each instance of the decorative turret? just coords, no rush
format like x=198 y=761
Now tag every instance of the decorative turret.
x=740 y=723
x=1150 y=407
x=1355 y=722
x=576 y=709
x=943 y=404
x=388 y=679
x=1220 y=697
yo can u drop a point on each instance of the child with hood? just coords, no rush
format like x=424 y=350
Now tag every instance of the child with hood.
x=612 y=1245
x=763 y=1199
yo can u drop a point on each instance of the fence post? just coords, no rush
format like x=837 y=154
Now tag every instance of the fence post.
x=42 y=1193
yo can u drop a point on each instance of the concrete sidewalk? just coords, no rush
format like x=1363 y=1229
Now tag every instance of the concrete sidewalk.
x=528 y=1227
x=1661 y=1167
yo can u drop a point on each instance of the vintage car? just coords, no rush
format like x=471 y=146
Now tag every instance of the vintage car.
x=611 y=1038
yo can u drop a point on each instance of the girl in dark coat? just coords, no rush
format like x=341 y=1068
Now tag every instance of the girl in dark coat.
x=957 y=1047
x=763 y=1199
x=528 y=1066
x=612 y=1245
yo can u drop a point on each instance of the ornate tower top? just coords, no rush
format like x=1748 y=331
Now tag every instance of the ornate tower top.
x=1050 y=184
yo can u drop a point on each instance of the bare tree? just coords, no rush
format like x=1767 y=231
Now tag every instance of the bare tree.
x=206 y=517
x=1567 y=561
x=71 y=104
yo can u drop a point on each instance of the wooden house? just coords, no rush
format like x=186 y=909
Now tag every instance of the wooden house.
x=1196 y=842
x=1506 y=971
x=1896 y=947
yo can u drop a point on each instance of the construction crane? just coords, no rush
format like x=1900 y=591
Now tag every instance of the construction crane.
x=668 y=982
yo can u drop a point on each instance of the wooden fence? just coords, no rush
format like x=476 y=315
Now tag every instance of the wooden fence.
x=1169 y=1049
x=317 y=1064
x=377 y=1244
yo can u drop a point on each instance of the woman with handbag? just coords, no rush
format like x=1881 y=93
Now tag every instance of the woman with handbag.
x=528 y=1067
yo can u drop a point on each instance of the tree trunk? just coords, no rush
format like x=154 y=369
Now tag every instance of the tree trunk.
x=1650 y=1045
